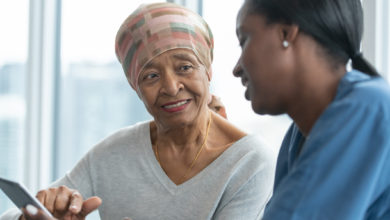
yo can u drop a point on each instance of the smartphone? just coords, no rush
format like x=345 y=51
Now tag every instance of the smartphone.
x=19 y=195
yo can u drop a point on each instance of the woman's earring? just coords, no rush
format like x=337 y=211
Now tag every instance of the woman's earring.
x=285 y=44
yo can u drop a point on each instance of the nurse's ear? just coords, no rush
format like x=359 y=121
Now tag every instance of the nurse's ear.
x=287 y=34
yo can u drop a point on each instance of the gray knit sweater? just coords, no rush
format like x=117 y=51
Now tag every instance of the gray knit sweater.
x=123 y=171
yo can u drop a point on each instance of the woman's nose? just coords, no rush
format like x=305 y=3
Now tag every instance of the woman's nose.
x=237 y=71
x=171 y=85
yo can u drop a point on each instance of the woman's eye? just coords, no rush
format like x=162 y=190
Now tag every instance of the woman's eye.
x=185 y=68
x=150 y=76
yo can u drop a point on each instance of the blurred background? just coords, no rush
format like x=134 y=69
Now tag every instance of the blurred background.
x=62 y=89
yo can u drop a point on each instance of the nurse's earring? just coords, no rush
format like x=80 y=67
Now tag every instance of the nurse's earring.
x=285 y=44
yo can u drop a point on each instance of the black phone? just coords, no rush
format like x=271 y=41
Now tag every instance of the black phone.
x=19 y=195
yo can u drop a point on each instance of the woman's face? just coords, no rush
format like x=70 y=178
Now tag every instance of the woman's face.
x=264 y=66
x=174 y=87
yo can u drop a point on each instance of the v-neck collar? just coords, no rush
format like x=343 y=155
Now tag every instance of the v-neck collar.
x=163 y=178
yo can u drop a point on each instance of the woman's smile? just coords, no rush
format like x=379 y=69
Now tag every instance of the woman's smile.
x=245 y=83
x=176 y=106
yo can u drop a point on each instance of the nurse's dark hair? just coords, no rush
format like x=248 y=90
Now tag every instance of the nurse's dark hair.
x=337 y=25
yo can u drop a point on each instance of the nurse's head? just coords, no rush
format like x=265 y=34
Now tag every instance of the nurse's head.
x=275 y=36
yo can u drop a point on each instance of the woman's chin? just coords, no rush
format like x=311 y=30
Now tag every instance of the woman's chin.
x=247 y=95
x=259 y=110
x=258 y=107
x=178 y=121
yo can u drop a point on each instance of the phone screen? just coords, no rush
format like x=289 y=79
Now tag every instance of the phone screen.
x=19 y=195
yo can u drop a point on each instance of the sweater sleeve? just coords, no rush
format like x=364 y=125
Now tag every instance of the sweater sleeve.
x=79 y=178
x=249 y=202
x=11 y=214
x=250 y=197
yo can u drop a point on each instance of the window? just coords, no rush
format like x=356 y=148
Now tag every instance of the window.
x=229 y=88
x=13 y=46
x=375 y=46
x=95 y=98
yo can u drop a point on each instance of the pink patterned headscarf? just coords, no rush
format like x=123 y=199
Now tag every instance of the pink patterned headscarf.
x=153 y=29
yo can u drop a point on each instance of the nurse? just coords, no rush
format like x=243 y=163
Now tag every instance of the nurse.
x=335 y=158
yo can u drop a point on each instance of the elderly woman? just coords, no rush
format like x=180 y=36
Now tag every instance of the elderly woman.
x=189 y=162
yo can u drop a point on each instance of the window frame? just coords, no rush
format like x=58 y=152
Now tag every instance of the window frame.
x=42 y=77
x=375 y=47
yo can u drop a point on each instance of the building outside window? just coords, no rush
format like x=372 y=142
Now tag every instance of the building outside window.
x=13 y=54
x=95 y=98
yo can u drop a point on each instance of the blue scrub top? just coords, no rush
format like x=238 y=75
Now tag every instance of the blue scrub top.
x=343 y=169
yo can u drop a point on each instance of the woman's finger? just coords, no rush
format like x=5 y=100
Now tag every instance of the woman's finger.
x=61 y=201
x=63 y=198
x=76 y=203
x=48 y=198
x=41 y=195
x=90 y=205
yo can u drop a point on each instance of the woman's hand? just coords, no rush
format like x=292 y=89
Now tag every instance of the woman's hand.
x=65 y=203
x=32 y=213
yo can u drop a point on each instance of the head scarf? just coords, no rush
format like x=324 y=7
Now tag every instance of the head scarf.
x=153 y=29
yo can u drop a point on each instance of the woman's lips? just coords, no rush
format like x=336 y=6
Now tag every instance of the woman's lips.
x=244 y=82
x=176 y=106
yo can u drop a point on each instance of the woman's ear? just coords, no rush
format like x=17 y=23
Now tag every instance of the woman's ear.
x=209 y=73
x=139 y=93
x=288 y=34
